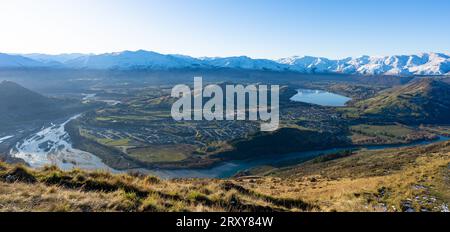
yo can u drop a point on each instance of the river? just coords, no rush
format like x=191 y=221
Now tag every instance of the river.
x=228 y=169
x=52 y=146
x=3 y=139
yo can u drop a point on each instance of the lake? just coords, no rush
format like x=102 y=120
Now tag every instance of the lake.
x=320 y=97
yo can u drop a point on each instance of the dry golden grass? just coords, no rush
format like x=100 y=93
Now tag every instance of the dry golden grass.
x=51 y=189
x=369 y=181
x=408 y=179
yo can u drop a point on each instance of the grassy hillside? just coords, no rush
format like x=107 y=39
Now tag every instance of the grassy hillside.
x=407 y=179
x=422 y=101
x=404 y=179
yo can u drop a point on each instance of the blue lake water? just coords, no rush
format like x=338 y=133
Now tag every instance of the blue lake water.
x=320 y=97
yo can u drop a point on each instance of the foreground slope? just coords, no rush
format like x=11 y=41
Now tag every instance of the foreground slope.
x=408 y=179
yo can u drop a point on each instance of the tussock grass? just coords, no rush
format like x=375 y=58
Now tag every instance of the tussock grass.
x=125 y=192
x=408 y=179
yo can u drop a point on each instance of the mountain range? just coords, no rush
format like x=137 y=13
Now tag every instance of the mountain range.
x=397 y=65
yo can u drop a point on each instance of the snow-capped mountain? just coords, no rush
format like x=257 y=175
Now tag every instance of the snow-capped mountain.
x=133 y=60
x=152 y=60
x=422 y=64
x=398 y=65
x=309 y=64
x=431 y=63
x=244 y=62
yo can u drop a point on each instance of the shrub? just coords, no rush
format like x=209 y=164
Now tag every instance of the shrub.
x=152 y=180
x=20 y=174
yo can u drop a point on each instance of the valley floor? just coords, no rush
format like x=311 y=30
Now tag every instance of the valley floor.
x=403 y=179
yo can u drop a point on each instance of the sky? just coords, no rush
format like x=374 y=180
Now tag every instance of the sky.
x=256 y=28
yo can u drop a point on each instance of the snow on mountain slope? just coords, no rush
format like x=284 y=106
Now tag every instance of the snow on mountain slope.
x=309 y=64
x=133 y=60
x=436 y=64
x=402 y=65
x=152 y=60
x=244 y=62
x=423 y=64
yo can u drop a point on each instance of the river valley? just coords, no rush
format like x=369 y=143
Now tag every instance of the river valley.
x=52 y=146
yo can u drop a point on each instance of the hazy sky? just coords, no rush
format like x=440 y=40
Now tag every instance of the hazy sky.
x=257 y=28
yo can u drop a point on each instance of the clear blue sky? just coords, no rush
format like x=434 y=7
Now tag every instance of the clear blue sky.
x=257 y=28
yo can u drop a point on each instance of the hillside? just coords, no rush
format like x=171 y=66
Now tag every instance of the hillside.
x=408 y=179
x=404 y=179
x=19 y=105
x=422 y=101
